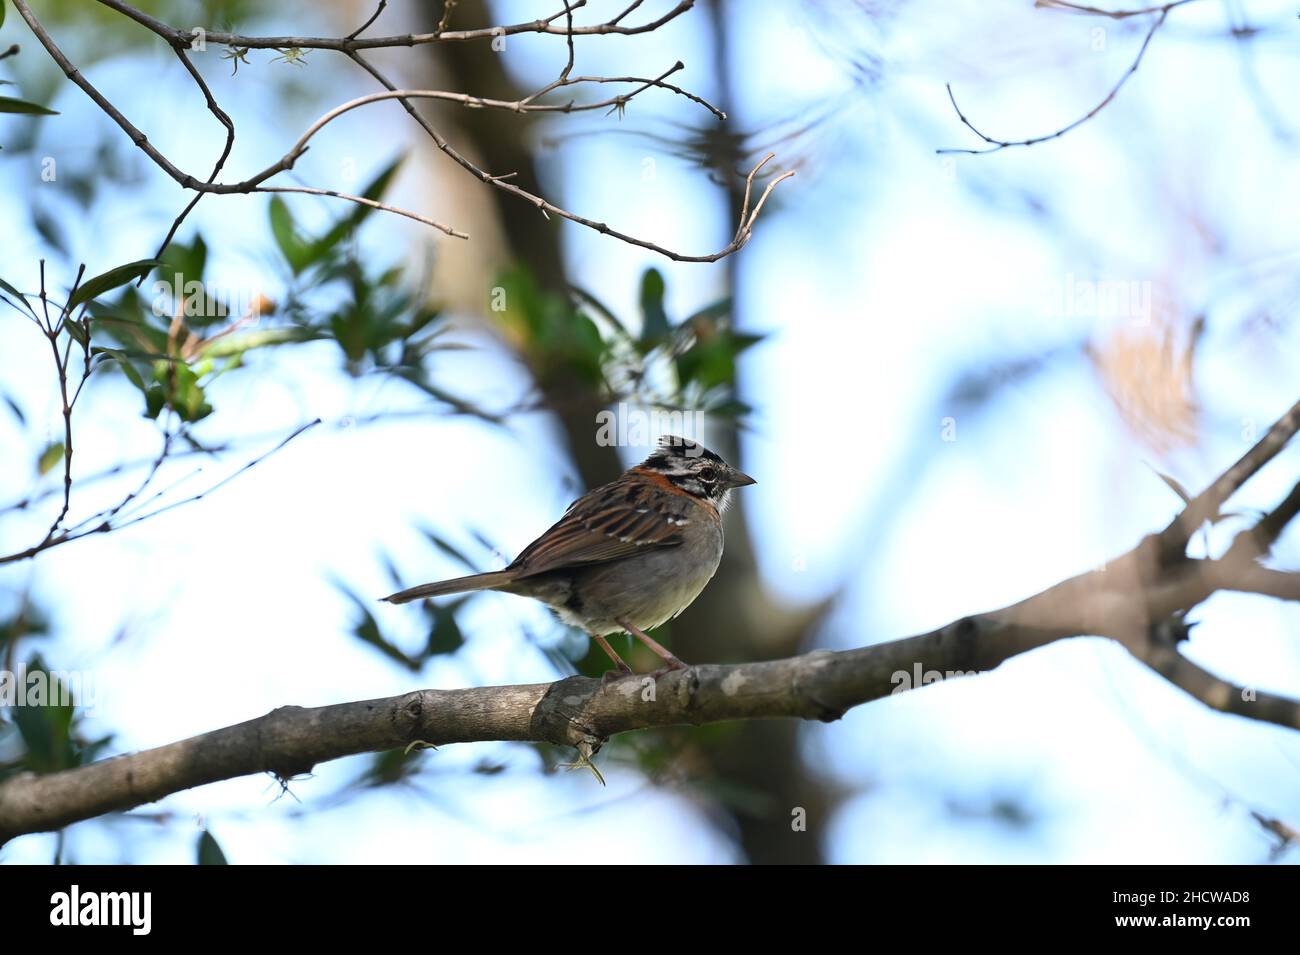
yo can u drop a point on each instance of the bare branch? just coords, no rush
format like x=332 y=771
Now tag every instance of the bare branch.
x=346 y=44
x=139 y=515
x=502 y=182
x=1205 y=506
x=1218 y=694
x=222 y=117
x=362 y=200
x=1132 y=599
x=447 y=7
x=373 y=17
x=1282 y=584
x=1112 y=14
x=998 y=144
x=350 y=46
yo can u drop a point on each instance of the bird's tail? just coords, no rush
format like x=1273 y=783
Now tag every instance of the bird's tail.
x=457 y=585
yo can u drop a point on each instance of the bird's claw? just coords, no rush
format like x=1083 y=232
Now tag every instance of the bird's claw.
x=609 y=676
x=670 y=665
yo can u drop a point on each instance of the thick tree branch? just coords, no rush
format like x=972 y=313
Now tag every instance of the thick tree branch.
x=577 y=711
x=1140 y=599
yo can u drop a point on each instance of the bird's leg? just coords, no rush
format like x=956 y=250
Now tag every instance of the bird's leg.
x=656 y=647
x=622 y=668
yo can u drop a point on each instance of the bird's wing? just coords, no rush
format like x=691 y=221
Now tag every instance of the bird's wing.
x=609 y=523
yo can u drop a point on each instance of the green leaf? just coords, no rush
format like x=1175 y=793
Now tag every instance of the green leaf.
x=131 y=372
x=444 y=635
x=45 y=726
x=154 y=401
x=50 y=228
x=391 y=766
x=711 y=313
x=113 y=278
x=209 y=852
x=295 y=251
x=123 y=362
x=129 y=321
x=9 y=288
x=182 y=271
x=348 y=224
x=186 y=262
x=232 y=346
x=15 y=408
x=711 y=361
x=654 y=320
x=451 y=551
x=177 y=385
x=50 y=458
x=367 y=631
x=10 y=105
x=79 y=332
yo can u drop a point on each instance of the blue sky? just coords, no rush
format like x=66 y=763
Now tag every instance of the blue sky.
x=880 y=273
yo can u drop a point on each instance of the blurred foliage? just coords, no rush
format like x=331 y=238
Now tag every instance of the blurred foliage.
x=174 y=339
x=208 y=851
x=578 y=345
x=41 y=728
x=656 y=362
x=171 y=329
x=110 y=34
x=442 y=635
x=115 y=33
x=581 y=345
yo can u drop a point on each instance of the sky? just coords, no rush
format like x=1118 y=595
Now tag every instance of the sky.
x=880 y=273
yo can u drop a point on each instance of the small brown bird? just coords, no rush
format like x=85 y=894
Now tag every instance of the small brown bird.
x=627 y=556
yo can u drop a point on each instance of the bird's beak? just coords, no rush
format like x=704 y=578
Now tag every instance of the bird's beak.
x=739 y=479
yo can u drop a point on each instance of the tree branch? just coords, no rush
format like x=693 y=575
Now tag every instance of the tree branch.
x=577 y=711
x=344 y=44
x=1162 y=12
x=1205 y=506
x=181 y=40
x=1139 y=599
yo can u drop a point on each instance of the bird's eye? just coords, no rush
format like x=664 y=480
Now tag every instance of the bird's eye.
x=708 y=475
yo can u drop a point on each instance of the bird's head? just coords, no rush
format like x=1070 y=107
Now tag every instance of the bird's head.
x=695 y=469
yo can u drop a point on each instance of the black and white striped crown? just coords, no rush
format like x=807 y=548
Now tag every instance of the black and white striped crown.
x=673 y=448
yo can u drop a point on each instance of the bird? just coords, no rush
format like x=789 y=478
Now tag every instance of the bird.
x=627 y=556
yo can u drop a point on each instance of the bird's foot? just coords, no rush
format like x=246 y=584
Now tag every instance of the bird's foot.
x=610 y=676
x=671 y=664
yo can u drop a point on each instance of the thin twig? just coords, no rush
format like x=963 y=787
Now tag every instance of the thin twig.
x=546 y=208
x=1112 y=14
x=107 y=525
x=447 y=7
x=350 y=47
x=345 y=44
x=998 y=144
x=222 y=117
x=362 y=200
x=373 y=17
